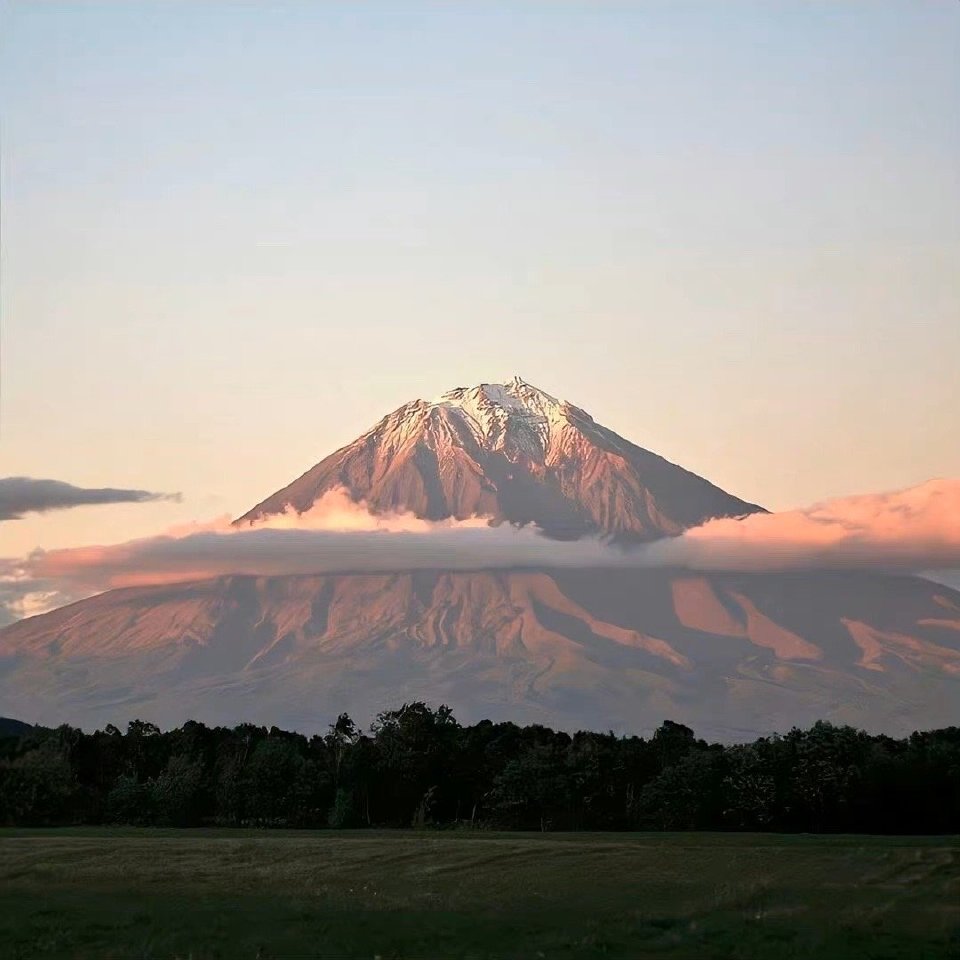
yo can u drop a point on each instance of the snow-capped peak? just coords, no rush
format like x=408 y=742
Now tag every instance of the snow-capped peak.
x=512 y=452
x=514 y=394
x=492 y=410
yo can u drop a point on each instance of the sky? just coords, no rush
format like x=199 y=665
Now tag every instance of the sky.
x=236 y=235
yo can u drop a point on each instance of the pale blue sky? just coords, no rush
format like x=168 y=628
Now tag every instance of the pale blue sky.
x=235 y=235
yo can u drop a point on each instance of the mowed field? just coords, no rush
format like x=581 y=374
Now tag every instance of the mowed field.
x=243 y=894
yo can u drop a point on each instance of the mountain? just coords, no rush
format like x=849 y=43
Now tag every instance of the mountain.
x=14 y=728
x=733 y=656
x=514 y=453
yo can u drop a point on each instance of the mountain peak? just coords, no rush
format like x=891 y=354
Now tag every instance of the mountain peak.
x=496 y=414
x=509 y=393
x=511 y=452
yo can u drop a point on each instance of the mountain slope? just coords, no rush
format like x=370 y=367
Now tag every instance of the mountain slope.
x=14 y=728
x=514 y=453
x=731 y=655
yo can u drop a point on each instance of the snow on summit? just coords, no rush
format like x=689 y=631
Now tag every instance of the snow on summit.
x=486 y=409
x=514 y=453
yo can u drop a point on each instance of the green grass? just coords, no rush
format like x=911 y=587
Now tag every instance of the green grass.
x=245 y=894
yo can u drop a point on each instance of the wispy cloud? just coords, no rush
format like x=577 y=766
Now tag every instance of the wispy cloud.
x=337 y=534
x=22 y=495
x=23 y=594
x=909 y=530
x=913 y=529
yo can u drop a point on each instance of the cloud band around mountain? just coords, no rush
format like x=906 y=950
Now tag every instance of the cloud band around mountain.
x=907 y=531
x=913 y=529
x=22 y=495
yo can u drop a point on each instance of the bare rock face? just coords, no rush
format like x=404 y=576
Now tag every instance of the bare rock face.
x=734 y=656
x=513 y=453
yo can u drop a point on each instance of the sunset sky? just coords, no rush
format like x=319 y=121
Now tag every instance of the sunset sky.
x=236 y=235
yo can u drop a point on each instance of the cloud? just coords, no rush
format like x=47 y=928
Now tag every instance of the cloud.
x=23 y=495
x=913 y=529
x=949 y=578
x=910 y=530
x=22 y=594
x=336 y=534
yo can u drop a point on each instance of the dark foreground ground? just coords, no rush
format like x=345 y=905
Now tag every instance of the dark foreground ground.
x=237 y=894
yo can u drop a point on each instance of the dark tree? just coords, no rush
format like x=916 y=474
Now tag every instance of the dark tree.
x=419 y=767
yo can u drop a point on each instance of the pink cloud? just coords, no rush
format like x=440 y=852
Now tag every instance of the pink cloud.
x=917 y=528
x=909 y=530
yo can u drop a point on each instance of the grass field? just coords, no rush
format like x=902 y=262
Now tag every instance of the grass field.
x=240 y=894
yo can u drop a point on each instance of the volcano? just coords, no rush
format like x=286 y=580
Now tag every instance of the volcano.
x=513 y=453
x=734 y=655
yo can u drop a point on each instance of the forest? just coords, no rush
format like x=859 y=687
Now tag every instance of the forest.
x=418 y=767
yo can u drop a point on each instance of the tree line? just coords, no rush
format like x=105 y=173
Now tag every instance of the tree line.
x=418 y=767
